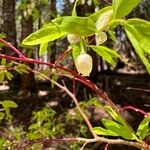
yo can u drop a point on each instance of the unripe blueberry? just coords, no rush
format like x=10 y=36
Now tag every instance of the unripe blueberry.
x=103 y=19
x=73 y=38
x=101 y=38
x=84 y=64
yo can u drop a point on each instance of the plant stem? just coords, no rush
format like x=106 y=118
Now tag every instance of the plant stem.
x=74 y=99
x=85 y=140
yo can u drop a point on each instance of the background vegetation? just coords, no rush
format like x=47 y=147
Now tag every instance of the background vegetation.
x=45 y=106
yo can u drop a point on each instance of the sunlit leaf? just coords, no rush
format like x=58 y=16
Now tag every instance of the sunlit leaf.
x=95 y=15
x=142 y=27
x=43 y=48
x=76 y=25
x=106 y=53
x=135 y=38
x=143 y=128
x=2 y=76
x=3 y=61
x=9 y=75
x=76 y=50
x=102 y=131
x=44 y=35
x=122 y=8
x=8 y=104
x=119 y=129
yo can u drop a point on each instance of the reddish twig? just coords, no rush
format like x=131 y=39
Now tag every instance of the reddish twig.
x=135 y=109
x=106 y=146
x=62 y=56
x=13 y=48
x=98 y=139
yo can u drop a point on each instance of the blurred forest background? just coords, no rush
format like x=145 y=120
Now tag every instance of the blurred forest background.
x=127 y=84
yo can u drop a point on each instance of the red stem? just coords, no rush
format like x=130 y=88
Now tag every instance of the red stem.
x=106 y=147
x=62 y=56
x=77 y=77
x=13 y=48
x=135 y=109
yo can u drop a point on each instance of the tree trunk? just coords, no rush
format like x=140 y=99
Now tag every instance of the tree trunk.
x=28 y=85
x=9 y=25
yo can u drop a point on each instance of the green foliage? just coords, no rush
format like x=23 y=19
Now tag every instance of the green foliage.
x=95 y=15
x=137 y=31
x=4 y=70
x=43 y=35
x=76 y=50
x=144 y=129
x=136 y=39
x=43 y=48
x=4 y=73
x=22 y=68
x=7 y=105
x=102 y=131
x=115 y=127
x=121 y=8
x=44 y=124
x=106 y=53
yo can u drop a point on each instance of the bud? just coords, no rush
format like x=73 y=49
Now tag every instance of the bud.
x=73 y=38
x=103 y=19
x=101 y=38
x=84 y=64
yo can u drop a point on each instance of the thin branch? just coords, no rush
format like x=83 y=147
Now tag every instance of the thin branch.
x=62 y=56
x=106 y=146
x=7 y=44
x=136 y=110
x=111 y=141
x=82 y=148
x=85 y=140
x=74 y=99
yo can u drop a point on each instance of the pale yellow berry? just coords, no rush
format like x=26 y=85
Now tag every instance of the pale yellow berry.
x=84 y=64
x=101 y=38
x=103 y=19
x=73 y=38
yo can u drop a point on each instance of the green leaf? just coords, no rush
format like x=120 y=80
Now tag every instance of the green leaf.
x=95 y=15
x=76 y=50
x=106 y=53
x=120 y=120
x=82 y=26
x=43 y=48
x=22 y=68
x=122 y=8
x=118 y=129
x=3 y=62
x=3 y=142
x=44 y=35
x=140 y=25
x=8 y=104
x=2 y=76
x=9 y=75
x=143 y=29
x=145 y=44
x=143 y=128
x=135 y=37
x=102 y=131
x=74 y=13
x=2 y=35
x=2 y=115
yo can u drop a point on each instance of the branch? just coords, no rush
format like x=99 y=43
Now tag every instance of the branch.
x=7 y=44
x=111 y=141
x=74 y=99
x=136 y=110
x=87 y=141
